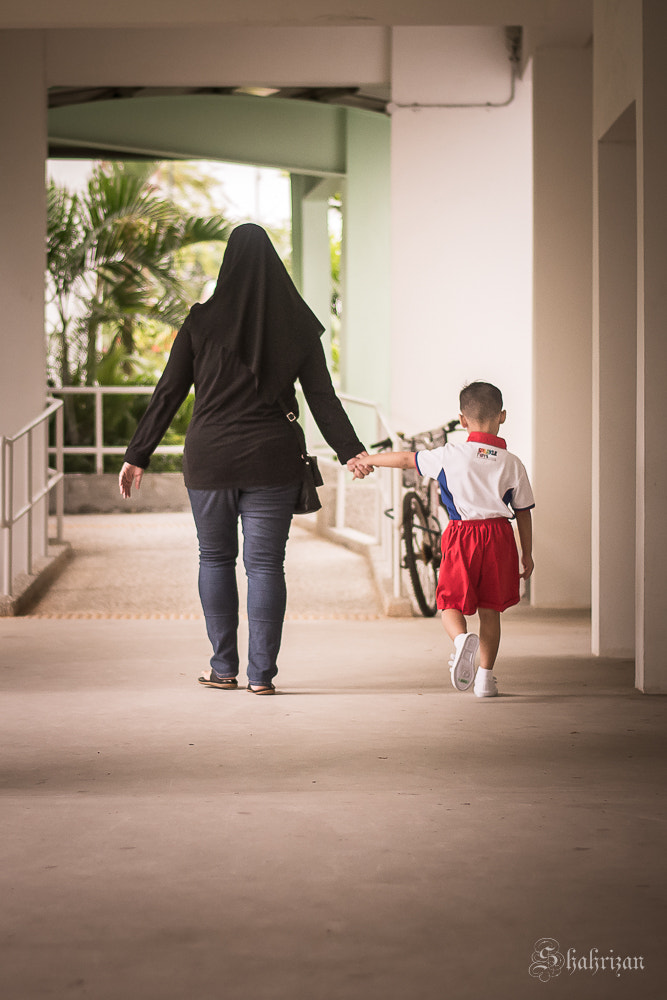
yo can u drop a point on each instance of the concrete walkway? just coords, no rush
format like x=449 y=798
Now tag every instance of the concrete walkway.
x=146 y=564
x=368 y=833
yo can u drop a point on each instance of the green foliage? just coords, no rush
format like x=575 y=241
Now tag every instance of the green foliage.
x=114 y=260
x=335 y=247
x=124 y=263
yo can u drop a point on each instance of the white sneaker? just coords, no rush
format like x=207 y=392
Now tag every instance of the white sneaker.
x=462 y=660
x=485 y=684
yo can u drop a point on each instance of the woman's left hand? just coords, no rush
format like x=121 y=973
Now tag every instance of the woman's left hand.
x=130 y=475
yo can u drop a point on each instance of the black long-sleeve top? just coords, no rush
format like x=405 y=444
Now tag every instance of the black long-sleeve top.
x=234 y=438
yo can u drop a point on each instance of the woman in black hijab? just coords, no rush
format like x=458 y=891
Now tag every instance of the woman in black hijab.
x=243 y=349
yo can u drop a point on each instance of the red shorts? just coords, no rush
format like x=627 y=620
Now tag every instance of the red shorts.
x=480 y=566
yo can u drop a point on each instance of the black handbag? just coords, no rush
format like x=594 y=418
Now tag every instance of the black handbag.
x=308 y=500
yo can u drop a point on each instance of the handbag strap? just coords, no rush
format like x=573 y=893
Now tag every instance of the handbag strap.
x=294 y=422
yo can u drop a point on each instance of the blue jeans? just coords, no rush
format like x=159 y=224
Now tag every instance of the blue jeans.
x=266 y=515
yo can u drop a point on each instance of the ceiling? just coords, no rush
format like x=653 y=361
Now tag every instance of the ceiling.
x=367 y=98
x=536 y=23
x=548 y=22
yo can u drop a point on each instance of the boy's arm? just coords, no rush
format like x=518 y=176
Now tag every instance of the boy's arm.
x=524 y=523
x=391 y=459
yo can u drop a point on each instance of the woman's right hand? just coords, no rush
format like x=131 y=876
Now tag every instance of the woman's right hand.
x=357 y=467
x=129 y=475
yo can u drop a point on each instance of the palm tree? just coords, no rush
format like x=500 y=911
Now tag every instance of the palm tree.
x=115 y=263
x=112 y=260
x=63 y=276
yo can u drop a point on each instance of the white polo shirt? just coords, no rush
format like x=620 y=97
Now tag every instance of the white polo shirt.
x=478 y=478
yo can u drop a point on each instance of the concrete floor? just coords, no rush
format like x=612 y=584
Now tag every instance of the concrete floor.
x=138 y=564
x=368 y=833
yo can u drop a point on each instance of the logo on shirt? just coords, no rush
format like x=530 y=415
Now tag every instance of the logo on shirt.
x=488 y=454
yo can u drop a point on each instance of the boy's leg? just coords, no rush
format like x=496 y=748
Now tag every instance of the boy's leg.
x=489 y=642
x=489 y=637
x=462 y=660
x=454 y=623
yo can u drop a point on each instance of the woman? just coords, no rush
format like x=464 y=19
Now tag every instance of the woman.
x=243 y=349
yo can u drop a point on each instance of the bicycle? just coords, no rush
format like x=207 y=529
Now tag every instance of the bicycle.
x=424 y=518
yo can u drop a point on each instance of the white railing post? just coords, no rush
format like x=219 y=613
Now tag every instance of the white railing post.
x=341 y=487
x=60 y=473
x=99 y=431
x=29 y=500
x=396 y=500
x=3 y=515
x=45 y=476
x=8 y=491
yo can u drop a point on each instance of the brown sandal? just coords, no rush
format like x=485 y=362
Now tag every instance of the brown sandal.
x=224 y=683
x=262 y=689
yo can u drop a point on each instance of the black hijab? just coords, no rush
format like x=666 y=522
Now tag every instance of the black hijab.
x=258 y=313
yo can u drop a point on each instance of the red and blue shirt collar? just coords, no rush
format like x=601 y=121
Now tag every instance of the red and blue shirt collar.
x=490 y=439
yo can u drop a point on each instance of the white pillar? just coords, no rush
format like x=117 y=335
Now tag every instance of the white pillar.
x=23 y=226
x=461 y=203
x=22 y=251
x=651 y=651
x=615 y=390
x=562 y=96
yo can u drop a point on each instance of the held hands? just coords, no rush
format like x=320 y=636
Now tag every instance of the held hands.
x=129 y=475
x=358 y=467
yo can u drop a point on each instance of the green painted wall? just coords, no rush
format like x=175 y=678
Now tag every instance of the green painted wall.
x=367 y=258
x=299 y=136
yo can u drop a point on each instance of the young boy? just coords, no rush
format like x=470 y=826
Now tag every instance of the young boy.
x=483 y=487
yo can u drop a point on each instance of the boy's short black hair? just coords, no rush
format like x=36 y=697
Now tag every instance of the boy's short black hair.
x=480 y=401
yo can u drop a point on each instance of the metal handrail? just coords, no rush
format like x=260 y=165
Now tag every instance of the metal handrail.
x=52 y=478
x=389 y=481
x=387 y=532
x=99 y=449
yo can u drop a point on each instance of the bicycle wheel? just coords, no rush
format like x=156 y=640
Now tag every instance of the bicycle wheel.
x=422 y=553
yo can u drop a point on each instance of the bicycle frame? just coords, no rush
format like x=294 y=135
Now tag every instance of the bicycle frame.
x=420 y=540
